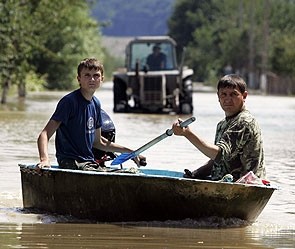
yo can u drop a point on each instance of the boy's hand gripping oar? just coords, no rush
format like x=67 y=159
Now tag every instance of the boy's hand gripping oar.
x=126 y=156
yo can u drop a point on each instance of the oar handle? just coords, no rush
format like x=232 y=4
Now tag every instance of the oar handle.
x=125 y=156
x=185 y=123
x=169 y=132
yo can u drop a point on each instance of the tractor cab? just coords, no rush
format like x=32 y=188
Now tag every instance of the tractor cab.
x=153 y=81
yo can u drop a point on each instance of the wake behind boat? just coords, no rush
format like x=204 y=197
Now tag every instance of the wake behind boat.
x=140 y=195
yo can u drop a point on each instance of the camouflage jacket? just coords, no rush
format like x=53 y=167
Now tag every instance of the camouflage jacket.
x=240 y=141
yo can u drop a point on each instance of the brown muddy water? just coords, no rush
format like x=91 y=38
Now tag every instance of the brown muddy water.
x=275 y=228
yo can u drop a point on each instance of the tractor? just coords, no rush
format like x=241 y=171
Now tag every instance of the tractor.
x=152 y=80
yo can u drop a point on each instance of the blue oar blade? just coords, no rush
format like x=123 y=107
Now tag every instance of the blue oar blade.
x=122 y=158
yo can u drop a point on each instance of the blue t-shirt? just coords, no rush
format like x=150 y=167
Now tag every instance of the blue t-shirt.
x=76 y=133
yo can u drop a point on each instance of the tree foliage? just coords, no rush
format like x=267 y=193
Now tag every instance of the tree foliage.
x=15 y=44
x=48 y=38
x=43 y=40
x=188 y=16
x=252 y=36
x=68 y=35
x=282 y=55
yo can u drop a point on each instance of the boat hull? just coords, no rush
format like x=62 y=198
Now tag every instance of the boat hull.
x=151 y=195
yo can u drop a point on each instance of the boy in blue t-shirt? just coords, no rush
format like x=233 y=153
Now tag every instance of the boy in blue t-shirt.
x=77 y=123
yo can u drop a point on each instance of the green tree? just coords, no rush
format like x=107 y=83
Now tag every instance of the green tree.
x=45 y=39
x=15 y=45
x=283 y=59
x=187 y=16
x=253 y=36
x=222 y=41
x=68 y=36
x=282 y=55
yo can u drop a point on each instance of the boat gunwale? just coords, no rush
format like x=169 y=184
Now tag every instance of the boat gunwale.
x=55 y=168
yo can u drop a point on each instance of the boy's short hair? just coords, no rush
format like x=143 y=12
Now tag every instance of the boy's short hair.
x=90 y=63
x=232 y=81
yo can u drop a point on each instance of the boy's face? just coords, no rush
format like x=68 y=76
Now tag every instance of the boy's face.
x=90 y=79
x=231 y=100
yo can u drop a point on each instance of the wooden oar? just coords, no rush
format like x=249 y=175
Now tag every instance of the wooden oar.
x=126 y=156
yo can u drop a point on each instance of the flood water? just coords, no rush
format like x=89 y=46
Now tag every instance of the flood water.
x=275 y=228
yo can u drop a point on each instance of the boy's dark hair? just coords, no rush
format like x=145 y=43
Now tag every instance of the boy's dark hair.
x=232 y=81
x=90 y=63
